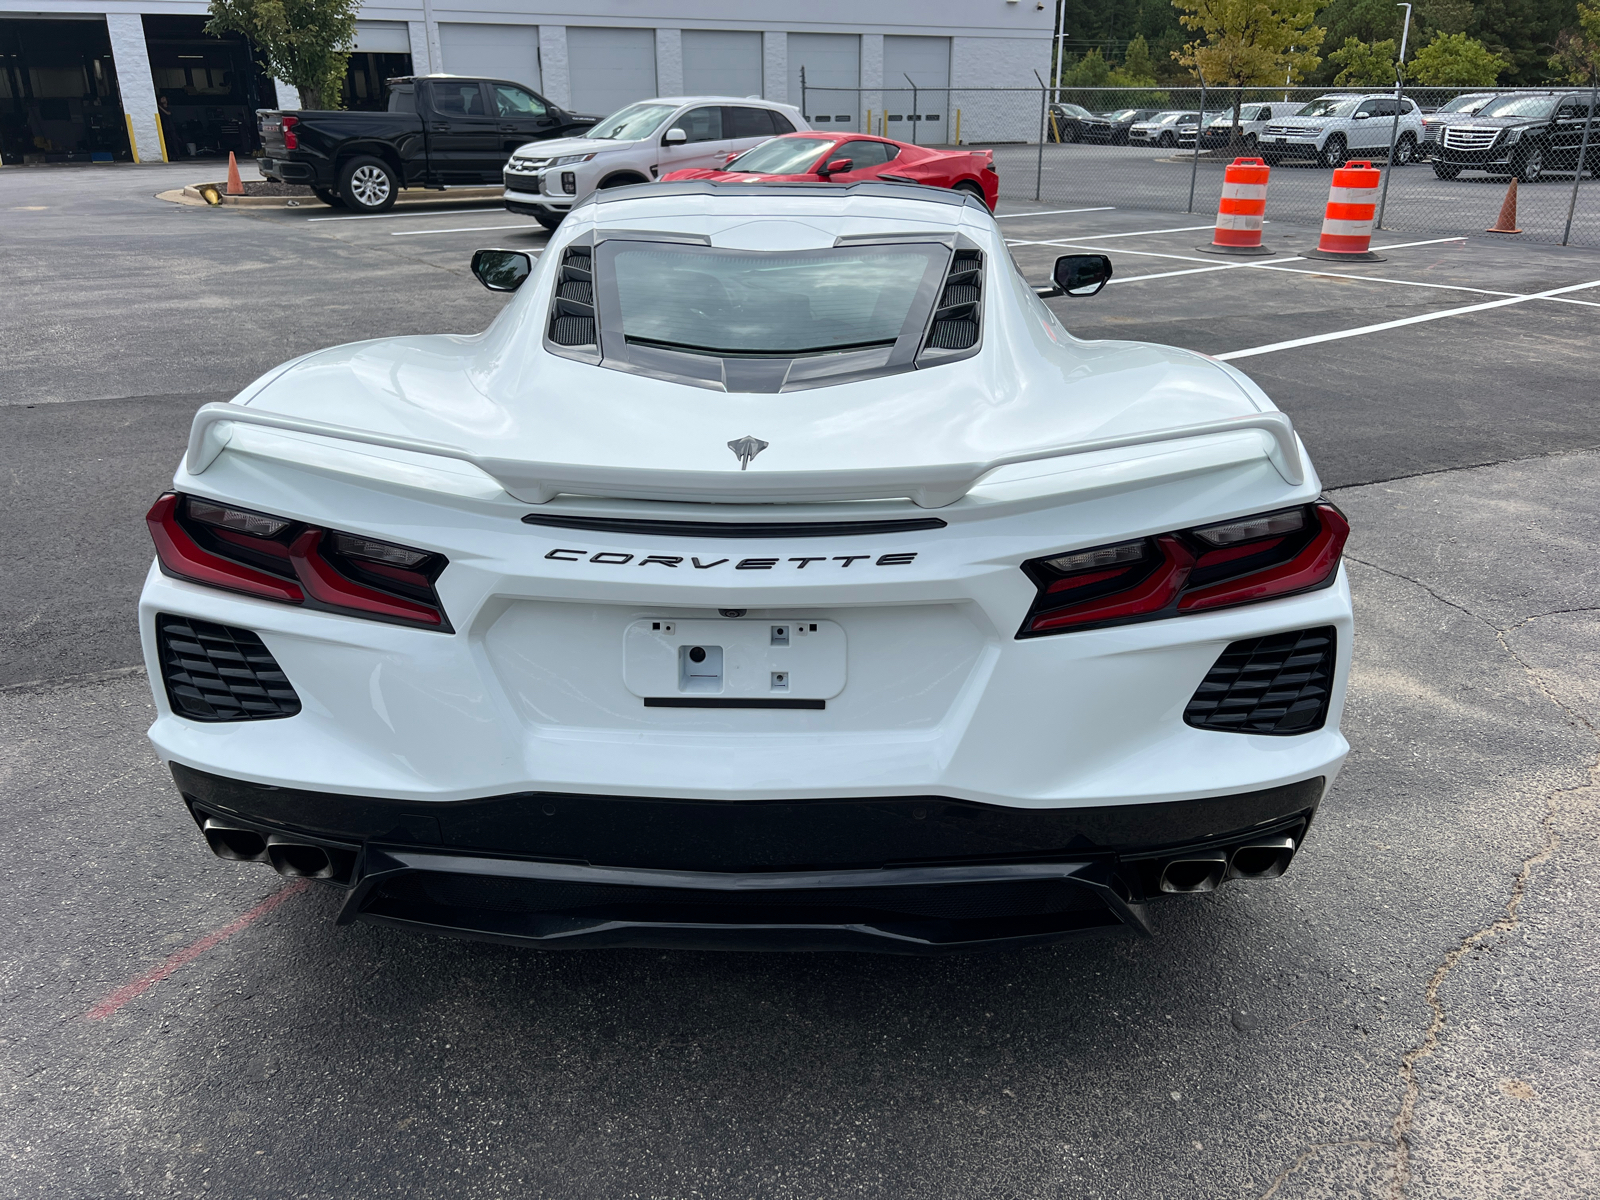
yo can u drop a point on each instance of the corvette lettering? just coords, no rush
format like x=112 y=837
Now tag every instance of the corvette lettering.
x=614 y=558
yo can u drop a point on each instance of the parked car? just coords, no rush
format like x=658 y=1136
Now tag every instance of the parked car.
x=1527 y=135
x=1333 y=129
x=1112 y=127
x=856 y=158
x=639 y=144
x=1253 y=122
x=753 y=581
x=1068 y=122
x=440 y=131
x=1434 y=121
x=1165 y=129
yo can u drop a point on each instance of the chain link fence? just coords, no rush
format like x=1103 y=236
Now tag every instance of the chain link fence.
x=1448 y=155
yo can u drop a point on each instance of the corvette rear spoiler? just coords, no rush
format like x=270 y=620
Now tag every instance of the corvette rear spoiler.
x=927 y=486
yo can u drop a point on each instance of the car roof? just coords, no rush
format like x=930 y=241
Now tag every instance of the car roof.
x=753 y=101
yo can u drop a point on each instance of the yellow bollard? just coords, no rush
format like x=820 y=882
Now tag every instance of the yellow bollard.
x=1056 y=129
x=162 y=134
x=869 y=120
x=958 y=127
x=133 y=142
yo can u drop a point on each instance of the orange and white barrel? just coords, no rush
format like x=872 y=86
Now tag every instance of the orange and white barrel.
x=1347 y=224
x=1242 y=209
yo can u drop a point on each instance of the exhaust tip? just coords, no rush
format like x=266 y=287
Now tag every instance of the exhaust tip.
x=299 y=860
x=1266 y=859
x=1200 y=872
x=234 y=844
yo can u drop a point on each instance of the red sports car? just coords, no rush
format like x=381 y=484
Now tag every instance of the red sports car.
x=854 y=158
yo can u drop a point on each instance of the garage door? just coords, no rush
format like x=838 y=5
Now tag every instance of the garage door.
x=610 y=67
x=918 y=117
x=721 y=62
x=831 y=60
x=509 y=52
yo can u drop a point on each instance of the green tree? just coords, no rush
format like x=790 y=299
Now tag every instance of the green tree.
x=1577 y=54
x=306 y=43
x=1090 y=71
x=1364 y=64
x=1455 y=60
x=1249 y=43
x=1137 y=65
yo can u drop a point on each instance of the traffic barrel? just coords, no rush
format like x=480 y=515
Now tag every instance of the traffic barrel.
x=1347 y=224
x=1241 y=210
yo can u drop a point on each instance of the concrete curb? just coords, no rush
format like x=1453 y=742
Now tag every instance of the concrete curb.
x=409 y=198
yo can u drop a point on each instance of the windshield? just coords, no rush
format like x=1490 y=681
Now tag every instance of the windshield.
x=1330 y=106
x=1466 y=104
x=782 y=156
x=1122 y=114
x=1521 y=106
x=751 y=303
x=632 y=123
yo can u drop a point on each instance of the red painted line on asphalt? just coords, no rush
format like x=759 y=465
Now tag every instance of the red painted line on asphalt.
x=189 y=953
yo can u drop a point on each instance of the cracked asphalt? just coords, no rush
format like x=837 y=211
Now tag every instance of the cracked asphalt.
x=1409 y=1012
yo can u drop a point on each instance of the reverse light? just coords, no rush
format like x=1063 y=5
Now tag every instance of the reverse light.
x=1222 y=565
x=291 y=140
x=275 y=558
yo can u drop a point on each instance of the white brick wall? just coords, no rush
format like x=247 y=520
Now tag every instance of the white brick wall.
x=997 y=62
x=775 y=66
x=872 y=79
x=554 y=71
x=421 y=61
x=669 y=62
x=138 y=88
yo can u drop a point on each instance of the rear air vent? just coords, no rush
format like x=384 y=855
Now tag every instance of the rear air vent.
x=956 y=325
x=1274 y=685
x=572 y=320
x=220 y=673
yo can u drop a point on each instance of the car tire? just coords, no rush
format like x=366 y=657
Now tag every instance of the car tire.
x=328 y=196
x=1405 y=150
x=1335 y=153
x=1250 y=143
x=551 y=221
x=1166 y=141
x=1446 y=170
x=1528 y=166
x=368 y=185
x=972 y=189
x=1074 y=133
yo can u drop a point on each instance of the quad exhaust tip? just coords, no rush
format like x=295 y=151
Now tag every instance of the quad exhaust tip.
x=1204 y=870
x=233 y=843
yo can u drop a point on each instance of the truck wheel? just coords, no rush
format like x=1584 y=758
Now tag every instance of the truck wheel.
x=551 y=221
x=1530 y=166
x=328 y=196
x=368 y=185
x=1446 y=170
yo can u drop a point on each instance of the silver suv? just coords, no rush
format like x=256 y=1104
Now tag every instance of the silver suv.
x=1334 y=129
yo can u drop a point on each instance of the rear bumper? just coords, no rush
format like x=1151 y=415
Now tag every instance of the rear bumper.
x=282 y=170
x=912 y=874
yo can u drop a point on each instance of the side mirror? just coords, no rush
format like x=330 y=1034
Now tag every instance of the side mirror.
x=1359 y=116
x=501 y=270
x=674 y=137
x=838 y=166
x=1079 y=275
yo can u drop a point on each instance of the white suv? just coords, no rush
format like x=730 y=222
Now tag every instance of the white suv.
x=1253 y=122
x=1335 y=129
x=639 y=144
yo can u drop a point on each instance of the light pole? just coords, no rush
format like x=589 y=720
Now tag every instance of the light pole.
x=1394 y=129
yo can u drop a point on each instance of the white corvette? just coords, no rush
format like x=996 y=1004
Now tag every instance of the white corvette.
x=775 y=571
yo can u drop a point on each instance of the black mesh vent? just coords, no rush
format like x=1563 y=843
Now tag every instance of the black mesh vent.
x=577 y=260
x=577 y=289
x=958 y=334
x=219 y=673
x=959 y=293
x=960 y=901
x=1277 y=685
x=572 y=331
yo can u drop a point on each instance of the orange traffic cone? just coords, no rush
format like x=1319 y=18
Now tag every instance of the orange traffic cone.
x=1507 y=221
x=235 y=187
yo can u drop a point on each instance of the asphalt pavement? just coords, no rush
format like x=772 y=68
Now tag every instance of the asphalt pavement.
x=1408 y=1012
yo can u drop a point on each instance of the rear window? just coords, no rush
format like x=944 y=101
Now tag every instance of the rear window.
x=731 y=302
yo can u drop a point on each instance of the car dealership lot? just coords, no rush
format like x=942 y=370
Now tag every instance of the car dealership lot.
x=1291 y=1036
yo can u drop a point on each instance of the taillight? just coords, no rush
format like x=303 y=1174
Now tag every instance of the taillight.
x=274 y=558
x=290 y=140
x=1214 y=566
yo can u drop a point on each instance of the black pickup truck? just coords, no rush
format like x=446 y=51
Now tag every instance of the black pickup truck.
x=440 y=131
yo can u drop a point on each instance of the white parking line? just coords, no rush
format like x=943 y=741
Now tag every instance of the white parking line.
x=393 y=215
x=1361 y=331
x=1053 y=212
x=462 y=229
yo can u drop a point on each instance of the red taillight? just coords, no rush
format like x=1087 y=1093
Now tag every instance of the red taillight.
x=278 y=559
x=290 y=141
x=1195 y=570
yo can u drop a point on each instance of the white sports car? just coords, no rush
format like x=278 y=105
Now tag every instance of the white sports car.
x=775 y=571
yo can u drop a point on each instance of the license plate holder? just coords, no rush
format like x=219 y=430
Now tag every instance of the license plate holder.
x=766 y=659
